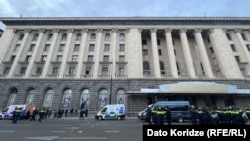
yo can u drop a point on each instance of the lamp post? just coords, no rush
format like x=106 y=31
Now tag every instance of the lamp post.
x=110 y=91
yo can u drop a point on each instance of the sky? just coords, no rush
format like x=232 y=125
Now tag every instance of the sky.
x=124 y=8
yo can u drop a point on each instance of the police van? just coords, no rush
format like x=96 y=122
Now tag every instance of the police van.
x=7 y=113
x=111 y=111
x=180 y=110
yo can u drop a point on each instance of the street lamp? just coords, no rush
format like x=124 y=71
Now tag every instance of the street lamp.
x=110 y=91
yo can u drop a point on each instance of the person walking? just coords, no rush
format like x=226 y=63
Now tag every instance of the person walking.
x=169 y=118
x=81 y=114
x=41 y=114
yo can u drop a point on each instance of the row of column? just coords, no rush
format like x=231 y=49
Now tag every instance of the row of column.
x=52 y=52
x=186 y=51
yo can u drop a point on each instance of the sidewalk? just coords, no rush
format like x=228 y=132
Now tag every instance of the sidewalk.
x=88 y=117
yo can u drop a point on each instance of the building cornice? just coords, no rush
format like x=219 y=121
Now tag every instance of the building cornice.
x=10 y=21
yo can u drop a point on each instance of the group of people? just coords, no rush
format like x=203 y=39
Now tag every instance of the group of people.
x=226 y=115
x=158 y=115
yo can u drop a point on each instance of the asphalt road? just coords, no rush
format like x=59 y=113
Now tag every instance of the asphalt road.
x=72 y=129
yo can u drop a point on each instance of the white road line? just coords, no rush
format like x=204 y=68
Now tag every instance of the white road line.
x=56 y=125
x=6 y=131
x=112 y=131
x=82 y=138
x=59 y=131
x=129 y=125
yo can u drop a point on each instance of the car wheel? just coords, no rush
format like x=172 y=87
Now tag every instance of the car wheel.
x=0 y=117
x=180 y=119
x=119 y=118
x=100 y=118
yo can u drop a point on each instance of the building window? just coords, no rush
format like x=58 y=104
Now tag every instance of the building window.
x=48 y=98
x=102 y=98
x=64 y=37
x=35 y=37
x=146 y=69
x=28 y=57
x=208 y=39
x=91 y=47
x=61 y=47
x=59 y=58
x=88 y=71
x=159 y=52
x=107 y=37
x=121 y=71
x=23 y=70
x=248 y=47
x=90 y=58
x=31 y=48
x=162 y=66
x=243 y=36
x=211 y=50
x=144 y=42
x=120 y=96
x=74 y=58
x=55 y=70
x=17 y=48
x=178 y=68
x=44 y=57
x=202 y=69
x=46 y=48
x=6 y=71
x=12 y=97
x=84 y=98
x=174 y=52
x=93 y=36
x=121 y=58
x=21 y=36
x=106 y=47
x=66 y=98
x=50 y=36
x=121 y=47
x=243 y=71
x=72 y=71
x=237 y=58
x=78 y=36
x=122 y=37
x=105 y=58
x=12 y=58
x=233 y=48
x=144 y=52
x=39 y=70
x=228 y=36
x=76 y=47
x=158 y=42
x=30 y=97
x=104 y=71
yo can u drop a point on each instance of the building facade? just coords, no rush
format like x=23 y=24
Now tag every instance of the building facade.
x=60 y=63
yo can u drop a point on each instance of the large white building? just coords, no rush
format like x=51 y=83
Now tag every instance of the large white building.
x=62 y=62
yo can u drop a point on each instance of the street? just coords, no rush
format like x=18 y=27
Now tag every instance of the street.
x=73 y=129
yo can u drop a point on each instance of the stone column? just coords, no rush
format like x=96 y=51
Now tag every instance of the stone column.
x=63 y=67
x=114 y=54
x=156 y=61
x=22 y=46
x=203 y=53
x=81 y=53
x=51 y=51
x=187 y=53
x=171 y=55
x=32 y=60
x=97 y=53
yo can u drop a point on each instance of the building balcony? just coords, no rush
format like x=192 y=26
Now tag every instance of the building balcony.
x=52 y=75
x=56 y=62
x=121 y=76
x=35 y=75
x=104 y=76
x=72 y=62
x=105 y=62
x=69 y=76
x=3 y=75
x=167 y=76
x=121 y=62
x=184 y=76
x=86 y=76
x=7 y=62
x=88 y=62
x=202 y=76
x=18 y=76
x=40 y=62
x=23 y=62
x=148 y=76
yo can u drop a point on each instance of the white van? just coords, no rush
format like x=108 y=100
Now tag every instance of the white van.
x=113 y=111
x=7 y=113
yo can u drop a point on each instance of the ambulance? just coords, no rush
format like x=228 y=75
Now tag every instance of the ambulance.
x=111 y=111
x=7 y=113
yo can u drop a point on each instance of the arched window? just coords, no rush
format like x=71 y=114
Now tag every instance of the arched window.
x=48 y=98
x=21 y=36
x=50 y=36
x=35 y=37
x=146 y=69
x=12 y=97
x=122 y=37
x=120 y=96
x=66 y=98
x=30 y=96
x=107 y=37
x=103 y=98
x=93 y=36
x=85 y=97
x=78 y=36
x=64 y=37
x=162 y=66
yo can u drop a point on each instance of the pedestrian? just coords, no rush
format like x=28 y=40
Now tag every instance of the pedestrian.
x=86 y=112
x=71 y=112
x=194 y=115
x=81 y=114
x=161 y=112
x=169 y=118
x=66 y=112
x=34 y=113
x=41 y=114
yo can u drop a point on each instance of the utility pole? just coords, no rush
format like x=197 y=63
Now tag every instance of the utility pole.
x=110 y=91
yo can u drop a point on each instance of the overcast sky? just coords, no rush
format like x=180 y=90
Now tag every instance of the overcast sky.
x=124 y=8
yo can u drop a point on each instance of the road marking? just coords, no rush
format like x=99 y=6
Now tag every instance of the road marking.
x=6 y=131
x=112 y=131
x=19 y=125
x=49 y=138
x=56 y=125
x=59 y=131
x=129 y=125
